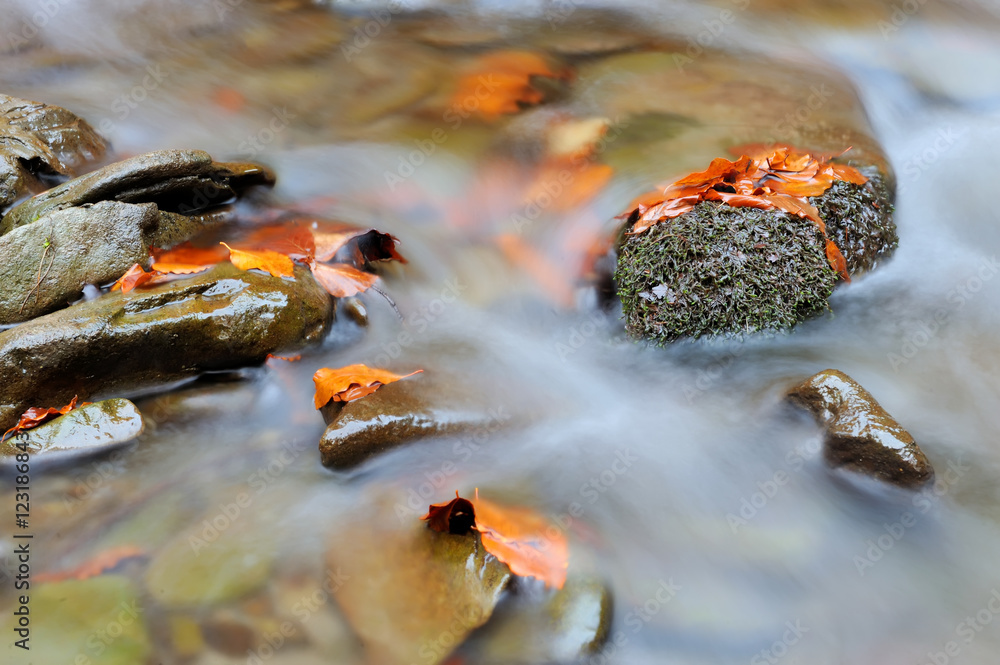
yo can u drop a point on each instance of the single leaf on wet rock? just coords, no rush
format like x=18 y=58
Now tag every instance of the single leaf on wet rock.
x=133 y=277
x=352 y=382
x=520 y=537
x=186 y=258
x=342 y=280
x=92 y=428
x=278 y=265
x=37 y=415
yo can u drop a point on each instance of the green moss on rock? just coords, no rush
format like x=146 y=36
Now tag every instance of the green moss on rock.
x=720 y=270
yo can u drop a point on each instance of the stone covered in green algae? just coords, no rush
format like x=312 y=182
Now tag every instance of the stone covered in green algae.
x=224 y=318
x=720 y=270
x=97 y=620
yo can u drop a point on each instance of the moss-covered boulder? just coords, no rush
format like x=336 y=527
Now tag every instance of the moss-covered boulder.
x=719 y=269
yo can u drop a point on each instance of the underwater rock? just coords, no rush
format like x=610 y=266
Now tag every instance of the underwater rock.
x=224 y=318
x=860 y=435
x=432 y=404
x=721 y=270
x=44 y=266
x=39 y=142
x=88 y=429
x=184 y=182
x=561 y=626
x=410 y=593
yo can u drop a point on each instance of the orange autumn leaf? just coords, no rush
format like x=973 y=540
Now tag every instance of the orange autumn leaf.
x=345 y=384
x=837 y=260
x=37 y=415
x=526 y=541
x=278 y=265
x=777 y=176
x=186 y=258
x=100 y=563
x=499 y=83
x=290 y=359
x=133 y=277
x=341 y=280
x=294 y=240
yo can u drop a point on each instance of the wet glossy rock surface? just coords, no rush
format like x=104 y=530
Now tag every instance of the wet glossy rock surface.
x=860 y=435
x=87 y=429
x=425 y=405
x=41 y=141
x=179 y=181
x=221 y=319
x=45 y=265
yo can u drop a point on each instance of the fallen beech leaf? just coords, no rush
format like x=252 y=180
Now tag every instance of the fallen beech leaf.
x=37 y=415
x=505 y=78
x=797 y=206
x=456 y=516
x=837 y=260
x=271 y=262
x=293 y=240
x=848 y=173
x=133 y=277
x=345 y=384
x=526 y=541
x=341 y=280
x=94 y=566
x=186 y=258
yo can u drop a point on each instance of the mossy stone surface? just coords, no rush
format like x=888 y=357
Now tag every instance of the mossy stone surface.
x=721 y=270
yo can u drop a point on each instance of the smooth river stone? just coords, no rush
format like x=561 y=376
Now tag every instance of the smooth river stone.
x=118 y=344
x=860 y=435
x=85 y=430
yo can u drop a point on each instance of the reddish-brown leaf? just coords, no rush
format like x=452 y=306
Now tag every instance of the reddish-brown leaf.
x=837 y=260
x=342 y=280
x=508 y=83
x=186 y=258
x=456 y=516
x=100 y=563
x=271 y=262
x=345 y=384
x=133 y=277
x=845 y=172
x=37 y=415
x=796 y=206
x=294 y=240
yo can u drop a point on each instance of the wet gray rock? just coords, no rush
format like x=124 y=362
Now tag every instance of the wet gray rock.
x=88 y=429
x=186 y=182
x=860 y=435
x=221 y=319
x=426 y=405
x=38 y=142
x=44 y=266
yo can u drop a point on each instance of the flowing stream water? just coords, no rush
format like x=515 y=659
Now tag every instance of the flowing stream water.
x=681 y=466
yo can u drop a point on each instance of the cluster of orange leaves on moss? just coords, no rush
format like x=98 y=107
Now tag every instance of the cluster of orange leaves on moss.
x=764 y=177
x=499 y=83
x=101 y=562
x=520 y=537
x=275 y=249
x=346 y=384
x=37 y=415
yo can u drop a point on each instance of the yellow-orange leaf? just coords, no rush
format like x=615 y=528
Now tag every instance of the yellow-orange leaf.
x=342 y=280
x=837 y=260
x=274 y=263
x=345 y=384
x=186 y=258
x=133 y=277
x=499 y=82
